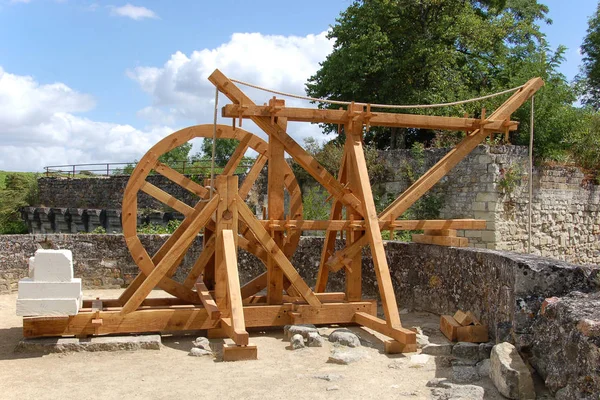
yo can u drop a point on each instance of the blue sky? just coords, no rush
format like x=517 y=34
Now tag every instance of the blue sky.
x=84 y=81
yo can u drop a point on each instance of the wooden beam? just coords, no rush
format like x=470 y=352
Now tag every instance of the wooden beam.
x=205 y=256
x=373 y=234
x=181 y=180
x=354 y=272
x=233 y=286
x=166 y=198
x=359 y=225
x=275 y=132
x=254 y=286
x=237 y=156
x=403 y=335
x=207 y=301
x=450 y=241
x=378 y=119
x=232 y=352
x=252 y=175
x=269 y=245
x=174 y=253
x=188 y=318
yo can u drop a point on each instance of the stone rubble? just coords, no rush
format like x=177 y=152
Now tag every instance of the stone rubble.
x=297 y=341
x=345 y=355
x=509 y=373
x=199 y=352
x=315 y=340
x=344 y=337
x=301 y=329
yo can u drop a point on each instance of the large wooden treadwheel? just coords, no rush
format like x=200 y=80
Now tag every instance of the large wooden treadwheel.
x=137 y=183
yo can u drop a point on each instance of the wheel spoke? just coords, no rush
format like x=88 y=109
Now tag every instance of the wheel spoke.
x=181 y=180
x=166 y=198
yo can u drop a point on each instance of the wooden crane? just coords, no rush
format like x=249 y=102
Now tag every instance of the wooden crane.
x=211 y=296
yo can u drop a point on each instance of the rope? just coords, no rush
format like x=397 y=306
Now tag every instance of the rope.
x=392 y=106
x=530 y=175
x=214 y=145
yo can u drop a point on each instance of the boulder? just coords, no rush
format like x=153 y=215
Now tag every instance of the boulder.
x=198 y=352
x=315 y=340
x=510 y=374
x=304 y=329
x=437 y=349
x=345 y=356
x=344 y=337
x=201 y=343
x=297 y=341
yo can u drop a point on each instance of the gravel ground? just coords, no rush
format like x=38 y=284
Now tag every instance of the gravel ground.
x=170 y=373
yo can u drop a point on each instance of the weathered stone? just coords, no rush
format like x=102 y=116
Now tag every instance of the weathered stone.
x=565 y=349
x=483 y=368
x=202 y=343
x=465 y=350
x=465 y=373
x=101 y=343
x=509 y=373
x=332 y=388
x=303 y=329
x=443 y=389
x=297 y=341
x=437 y=349
x=485 y=350
x=199 y=352
x=419 y=359
x=315 y=340
x=344 y=337
x=422 y=340
x=345 y=355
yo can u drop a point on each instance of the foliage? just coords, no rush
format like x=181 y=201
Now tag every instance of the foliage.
x=19 y=190
x=153 y=229
x=510 y=178
x=585 y=143
x=314 y=205
x=429 y=51
x=99 y=230
x=224 y=148
x=589 y=78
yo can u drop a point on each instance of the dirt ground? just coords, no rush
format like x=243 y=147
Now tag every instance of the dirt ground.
x=170 y=373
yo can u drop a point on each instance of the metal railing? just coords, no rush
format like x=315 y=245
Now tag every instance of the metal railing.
x=112 y=169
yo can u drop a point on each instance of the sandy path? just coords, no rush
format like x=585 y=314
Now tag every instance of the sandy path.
x=171 y=374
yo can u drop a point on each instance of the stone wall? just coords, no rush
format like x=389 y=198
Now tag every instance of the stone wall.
x=565 y=207
x=505 y=290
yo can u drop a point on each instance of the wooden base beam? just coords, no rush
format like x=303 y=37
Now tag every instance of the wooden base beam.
x=233 y=352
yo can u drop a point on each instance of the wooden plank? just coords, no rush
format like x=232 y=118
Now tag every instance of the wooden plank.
x=449 y=326
x=232 y=352
x=384 y=280
x=174 y=253
x=441 y=240
x=440 y=232
x=237 y=156
x=354 y=272
x=203 y=259
x=392 y=346
x=188 y=318
x=269 y=245
x=275 y=198
x=378 y=119
x=207 y=301
x=472 y=334
x=252 y=175
x=402 y=335
x=330 y=297
x=166 y=198
x=304 y=159
x=399 y=225
x=233 y=283
x=181 y=180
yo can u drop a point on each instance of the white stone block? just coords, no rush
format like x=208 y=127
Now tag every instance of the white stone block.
x=48 y=307
x=31 y=266
x=30 y=289
x=53 y=266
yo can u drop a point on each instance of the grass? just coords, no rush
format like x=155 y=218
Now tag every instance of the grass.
x=4 y=173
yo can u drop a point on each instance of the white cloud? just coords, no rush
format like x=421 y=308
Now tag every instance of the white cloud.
x=181 y=90
x=133 y=12
x=38 y=128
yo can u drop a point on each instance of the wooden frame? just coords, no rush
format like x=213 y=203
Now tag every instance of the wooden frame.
x=219 y=303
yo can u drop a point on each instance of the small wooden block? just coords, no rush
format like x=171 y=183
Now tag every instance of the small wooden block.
x=472 y=333
x=474 y=320
x=463 y=318
x=449 y=326
x=440 y=232
x=232 y=352
x=392 y=346
x=441 y=240
x=97 y=321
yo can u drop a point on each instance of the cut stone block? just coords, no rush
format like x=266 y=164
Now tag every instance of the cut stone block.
x=105 y=343
x=31 y=266
x=53 y=266
x=30 y=289
x=48 y=307
x=509 y=373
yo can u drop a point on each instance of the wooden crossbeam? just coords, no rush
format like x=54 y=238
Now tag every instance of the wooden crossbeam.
x=359 y=225
x=166 y=198
x=402 y=335
x=275 y=132
x=377 y=119
x=254 y=286
x=265 y=239
x=237 y=156
x=181 y=180
x=252 y=175
x=207 y=301
x=162 y=268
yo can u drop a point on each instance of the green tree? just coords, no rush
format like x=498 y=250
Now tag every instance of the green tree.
x=224 y=148
x=589 y=77
x=20 y=190
x=177 y=156
x=431 y=51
